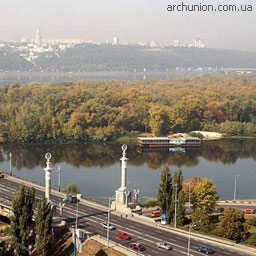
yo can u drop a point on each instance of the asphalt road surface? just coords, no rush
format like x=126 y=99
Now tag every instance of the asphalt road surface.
x=90 y=219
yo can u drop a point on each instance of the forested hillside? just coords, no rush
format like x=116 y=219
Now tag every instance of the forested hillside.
x=91 y=58
x=87 y=110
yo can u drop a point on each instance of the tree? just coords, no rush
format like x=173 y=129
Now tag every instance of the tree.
x=71 y=188
x=158 y=122
x=200 y=221
x=232 y=225
x=205 y=196
x=181 y=209
x=177 y=188
x=21 y=220
x=189 y=185
x=43 y=228
x=165 y=190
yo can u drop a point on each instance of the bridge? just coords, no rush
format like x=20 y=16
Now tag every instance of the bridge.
x=91 y=215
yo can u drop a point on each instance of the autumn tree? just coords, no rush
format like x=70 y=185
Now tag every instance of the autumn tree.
x=205 y=196
x=189 y=185
x=165 y=190
x=232 y=225
x=158 y=122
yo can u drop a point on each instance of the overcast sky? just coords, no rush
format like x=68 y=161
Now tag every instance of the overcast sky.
x=133 y=20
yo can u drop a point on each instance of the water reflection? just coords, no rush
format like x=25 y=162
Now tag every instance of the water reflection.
x=226 y=151
x=95 y=167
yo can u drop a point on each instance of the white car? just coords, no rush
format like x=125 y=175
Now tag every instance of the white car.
x=105 y=225
x=164 y=246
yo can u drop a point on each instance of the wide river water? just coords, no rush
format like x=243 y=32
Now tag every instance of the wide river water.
x=95 y=167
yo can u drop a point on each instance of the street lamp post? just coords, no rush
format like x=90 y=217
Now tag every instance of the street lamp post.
x=108 y=223
x=189 y=237
x=75 y=246
x=236 y=176
x=10 y=155
x=59 y=173
x=136 y=195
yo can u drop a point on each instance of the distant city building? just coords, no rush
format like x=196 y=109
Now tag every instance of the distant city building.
x=198 y=43
x=142 y=43
x=38 y=39
x=176 y=43
x=153 y=44
x=115 y=41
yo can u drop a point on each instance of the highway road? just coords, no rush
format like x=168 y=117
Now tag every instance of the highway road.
x=90 y=219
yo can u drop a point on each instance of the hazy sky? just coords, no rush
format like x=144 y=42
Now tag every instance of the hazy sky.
x=133 y=20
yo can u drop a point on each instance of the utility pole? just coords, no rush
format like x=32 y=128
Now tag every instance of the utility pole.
x=10 y=155
x=189 y=195
x=59 y=172
x=236 y=176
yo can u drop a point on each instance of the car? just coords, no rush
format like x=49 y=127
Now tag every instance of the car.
x=70 y=199
x=248 y=211
x=206 y=249
x=155 y=214
x=123 y=235
x=163 y=245
x=137 y=246
x=105 y=225
x=220 y=209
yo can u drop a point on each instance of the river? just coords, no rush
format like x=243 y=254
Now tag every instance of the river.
x=95 y=167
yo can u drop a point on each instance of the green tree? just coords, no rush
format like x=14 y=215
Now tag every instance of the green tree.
x=201 y=221
x=71 y=188
x=205 y=196
x=165 y=190
x=176 y=189
x=232 y=225
x=21 y=220
x=181 y=209
x=43 y=228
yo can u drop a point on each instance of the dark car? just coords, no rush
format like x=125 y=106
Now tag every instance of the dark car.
x=70 y=199
x=220 y=209
x=137 y=246
x=205 y=249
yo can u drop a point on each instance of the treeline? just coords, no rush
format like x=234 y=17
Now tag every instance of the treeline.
x=102 y=111
x=91 y=58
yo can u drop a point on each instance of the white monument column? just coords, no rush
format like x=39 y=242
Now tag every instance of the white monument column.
x=124 y=168
x=48 y=170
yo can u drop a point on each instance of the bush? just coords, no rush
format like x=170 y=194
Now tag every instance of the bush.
x=151 y=202
x=196 y=134
x=252 y=221
x=71 y=188
x=251 y=240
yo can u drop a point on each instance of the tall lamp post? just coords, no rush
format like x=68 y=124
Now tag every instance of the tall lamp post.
x=108 y=223
x=236 y=176
x=10 y=155
x=75 y=244
x=59 y=173
x=189 y=237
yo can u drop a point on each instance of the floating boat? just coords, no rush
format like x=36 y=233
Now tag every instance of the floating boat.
x=169 y=142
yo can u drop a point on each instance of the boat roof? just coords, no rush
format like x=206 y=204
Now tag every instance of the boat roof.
x=153 y=138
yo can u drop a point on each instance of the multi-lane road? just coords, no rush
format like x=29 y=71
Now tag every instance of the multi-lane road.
x=90 y=219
